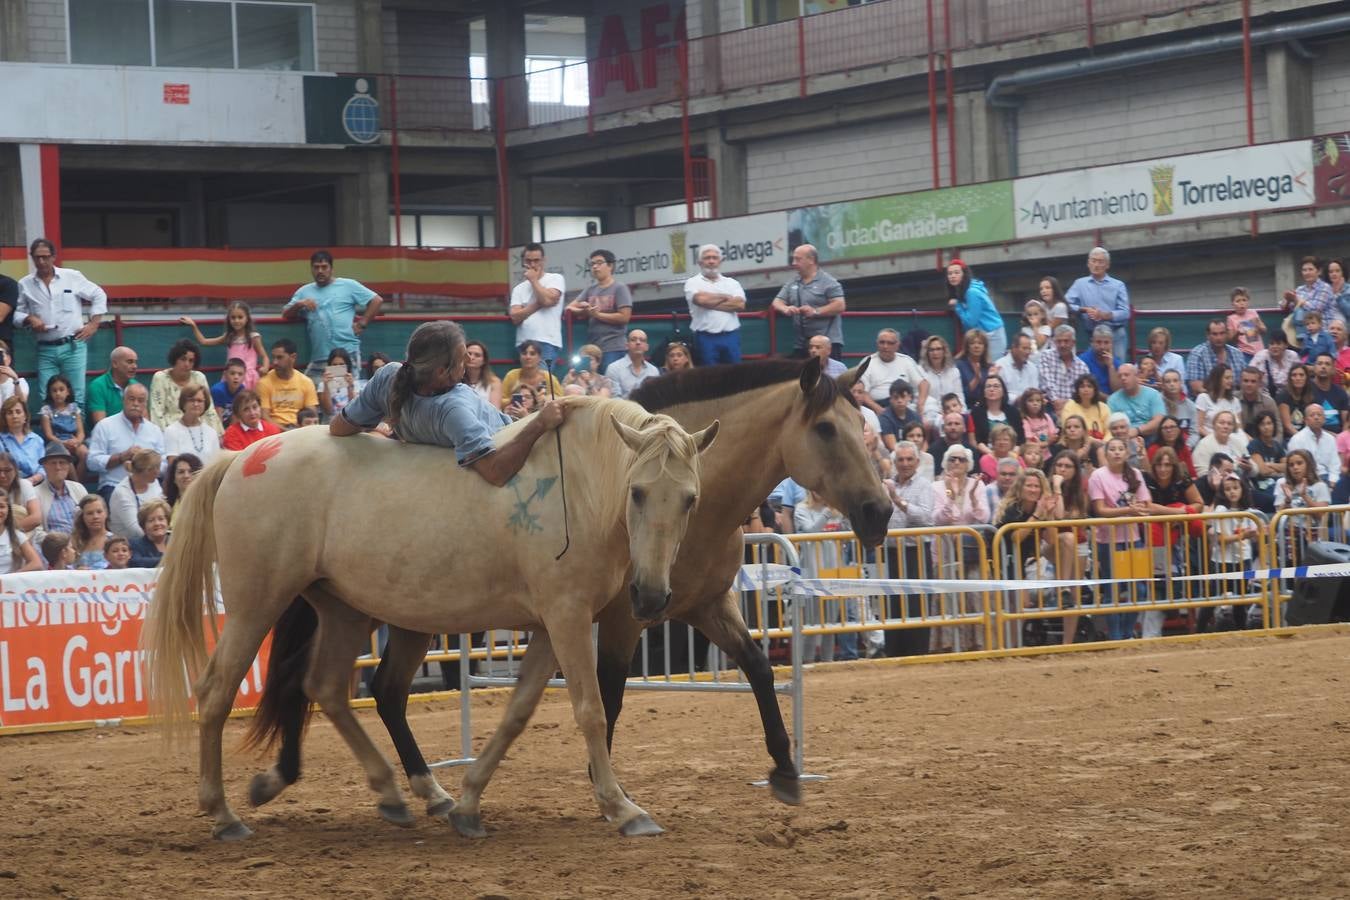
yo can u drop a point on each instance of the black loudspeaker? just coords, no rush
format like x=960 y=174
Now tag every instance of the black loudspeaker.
x=1317 y=601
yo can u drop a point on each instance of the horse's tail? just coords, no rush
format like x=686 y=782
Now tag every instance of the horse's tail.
x=173 y=635
x=283 y=697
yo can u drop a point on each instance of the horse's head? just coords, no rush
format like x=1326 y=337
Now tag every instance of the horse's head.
x=828 y=457
x=663 y=486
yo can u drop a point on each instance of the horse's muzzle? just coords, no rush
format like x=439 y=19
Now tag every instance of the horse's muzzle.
x=648 y=606
x=870 y=520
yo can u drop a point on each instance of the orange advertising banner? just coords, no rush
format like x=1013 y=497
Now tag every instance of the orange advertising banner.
x=70 y=649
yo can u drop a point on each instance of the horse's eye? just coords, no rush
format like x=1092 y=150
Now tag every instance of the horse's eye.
x=639 y=495
x=690 y=501
x=826 y=430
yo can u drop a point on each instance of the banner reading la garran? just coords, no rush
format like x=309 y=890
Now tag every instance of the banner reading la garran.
x=70 y=648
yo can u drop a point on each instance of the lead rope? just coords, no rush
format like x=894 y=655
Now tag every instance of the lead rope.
x=562 y=481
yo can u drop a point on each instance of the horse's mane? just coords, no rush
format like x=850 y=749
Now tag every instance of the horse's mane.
x=716 y=382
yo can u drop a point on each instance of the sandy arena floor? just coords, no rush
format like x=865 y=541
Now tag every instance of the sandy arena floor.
x=1213 y=770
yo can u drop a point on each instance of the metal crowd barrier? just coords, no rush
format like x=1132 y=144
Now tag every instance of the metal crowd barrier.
x=1291 y=530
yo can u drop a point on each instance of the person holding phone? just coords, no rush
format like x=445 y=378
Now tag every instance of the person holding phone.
x=530 y=374
x=11 y=385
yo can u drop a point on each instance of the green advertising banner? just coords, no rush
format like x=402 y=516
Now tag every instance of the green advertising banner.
x=904 y=223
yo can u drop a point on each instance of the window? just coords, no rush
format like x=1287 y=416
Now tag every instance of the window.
x=437 y=230
x=216 y=34
x=551 y=79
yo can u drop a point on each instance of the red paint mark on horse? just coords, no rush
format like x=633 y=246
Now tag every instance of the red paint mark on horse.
x=256 y=464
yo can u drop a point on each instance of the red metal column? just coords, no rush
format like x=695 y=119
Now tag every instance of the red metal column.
x=951 y=91
x=1247 y=87
x=932 y=100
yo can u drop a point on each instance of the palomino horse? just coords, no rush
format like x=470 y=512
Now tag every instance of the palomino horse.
x=783 y=419
x=445 y=551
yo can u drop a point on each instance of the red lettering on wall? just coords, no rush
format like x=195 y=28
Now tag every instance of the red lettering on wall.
x=178 y=94
x=615 y=62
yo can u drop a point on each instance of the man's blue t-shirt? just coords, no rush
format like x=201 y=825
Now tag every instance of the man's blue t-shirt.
x=330 y=324
x=459 y=419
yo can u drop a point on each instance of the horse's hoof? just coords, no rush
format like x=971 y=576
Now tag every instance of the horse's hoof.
x=641 y=826
x=441 y=809
x=786 y=788
x=469 y=826
x=264 y=788
x=397 y=813
x=234 y=831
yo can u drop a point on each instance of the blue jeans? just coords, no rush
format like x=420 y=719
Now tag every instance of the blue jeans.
x=1119 y=627
x=711 y=349
x=66 y=358
x=998 y=343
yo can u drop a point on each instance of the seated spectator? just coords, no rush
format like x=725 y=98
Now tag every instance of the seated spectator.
x=994 y=408
x=19 y=441
x=1226 y=438
x=1033 y=455
x=247 y=425
x=118 y=437
x=941 y=375
x=524 y=400
x=1141 y=404
x=1220 y=464
x=1294 y=398
x=185 y=468
x=1327 y=391
x=168 y=383
x=11 y=384
x=91 y=533
x=375 y=362
x=306 y=418
x=1253 y=399
x=338 y=389
x=1074 y=439
x=1218 y=396
x=954 y=434
x=284 y=391
x=1089 y=404
x=1180 y=407
x=1059 y=368
x=1160 y=352
x=1038 y=423
x=1300 y=487
x=1170 y=435
x=57 y=552
x=1148 y=373
x=1118 y=427
x=870 y=419
x=478 y=374
x=59 y=495
x=1172 y=489
x=1017 y=368
x=678 y=357
x=130 y=495
x=532 y=375
x=190 y=434
x=21 y=493
x=973 y=363
x=1339 y=347
x=1316 y=341
x=117 y=552
x=1319 y=443
x=917 y=435
x=104 y=397
x=1268 y=452
x=876 y=453
x=818 y=346
x=1002 y=446
x=1275 y=361
x=898 y=414
x=586 y=373
x=17 y=553
x=148 y=549
x=1101 y=362
x=1214 y=350
x=1005 y=473
x=887 y=366
x=61 y=420
x=224 y=391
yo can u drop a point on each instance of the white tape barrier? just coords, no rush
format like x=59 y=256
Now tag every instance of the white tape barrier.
x=771 y=575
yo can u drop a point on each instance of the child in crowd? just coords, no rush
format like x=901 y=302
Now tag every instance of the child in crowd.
x=1037 y=423
x=248 y=425
x=240 y=340
x=91 y=533
x=1036 y=325
x=1318 y=341
x=336 y=390
x=10 y=382
x=1033 y=454
x=897 y=414
x=1148 y=372
x=117 y=552
x=57 y=551
x=306 y=417
x=1244 y=324
x=1230 y=547
x=62 y=422
x=224 y=391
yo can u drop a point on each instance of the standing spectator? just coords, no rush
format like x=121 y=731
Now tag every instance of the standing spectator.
x=191 y=434
x=1254 y=400
x=139 y=487
x=1268 y=453
x=1142 y=404
x=1068 y=481
x=1037 y=423
x=168 y=383
x=11 y=383
x=911 y=493
x=330 y=308
x=959 y=498
x=184 y=469
x=939 y=372
x=607 y=305
x=627 y=374
x=91 y=533
x=1160 y=351
x=1275 y=361
x=241 y=341
x=815 y=300
x=1060 y=370
x=994 y=408
x=105 y=391
x=536 y=305
x=1100 y=299
x=58 y=495
x=714 y=301
x=1088 y=404
x=813 y=515
x=1030 y=498
x=1174 y=492
x=530 y=375
x=1101 y=363
x=17 y=553
x=820 y=347
x=1313 y=295
x=1245 y=327
x=478 y=373
x=224 y=391
x=1017 y=368
x=587 y=374
x=21 y=493
x=976 y=310
x=247 y=425
x=1214 y=350
x=49 y=304
x=337 y=389
x=1228 y=439
x=973 y=364
x=18 y=440
x=1218 y=396
x=1300 y=488
x=285 y=391
x=118 y=438
x=1340 y=289
x=1341 y=346
x=1052 y=295
x=148 y=549
x=62 y=421
x=1327 y=391
x=887 y=366
x=1319 y=443
x=9 y=299
x=1118 y=489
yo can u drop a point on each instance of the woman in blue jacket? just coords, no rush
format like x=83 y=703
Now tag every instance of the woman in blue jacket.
x=973 y=307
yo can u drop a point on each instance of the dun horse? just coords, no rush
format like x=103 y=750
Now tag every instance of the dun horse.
x=445 y=551
x=779 y=419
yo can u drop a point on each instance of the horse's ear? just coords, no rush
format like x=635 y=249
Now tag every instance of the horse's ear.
x=631 y=436
x=849 y=378
x=704 y=439
x=810 y=375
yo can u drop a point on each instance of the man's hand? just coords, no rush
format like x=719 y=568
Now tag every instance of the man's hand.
x=551 y=414
x=532 y=274
x=310 y=305
x=808 y=311
x=359 y=325
x=36 y=323
x=88 y=331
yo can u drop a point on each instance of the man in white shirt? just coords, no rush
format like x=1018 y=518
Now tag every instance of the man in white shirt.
x=1016 y=369
x=714 y=300
x=888 y=365
x=49 y=304
x=627 y=373
x=1321 y=443
x=117 y=438
x=536 y=305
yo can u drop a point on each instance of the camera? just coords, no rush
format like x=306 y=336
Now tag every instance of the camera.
x=581 y=364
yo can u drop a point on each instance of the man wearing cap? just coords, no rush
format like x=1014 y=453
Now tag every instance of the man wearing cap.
x=59 y=495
